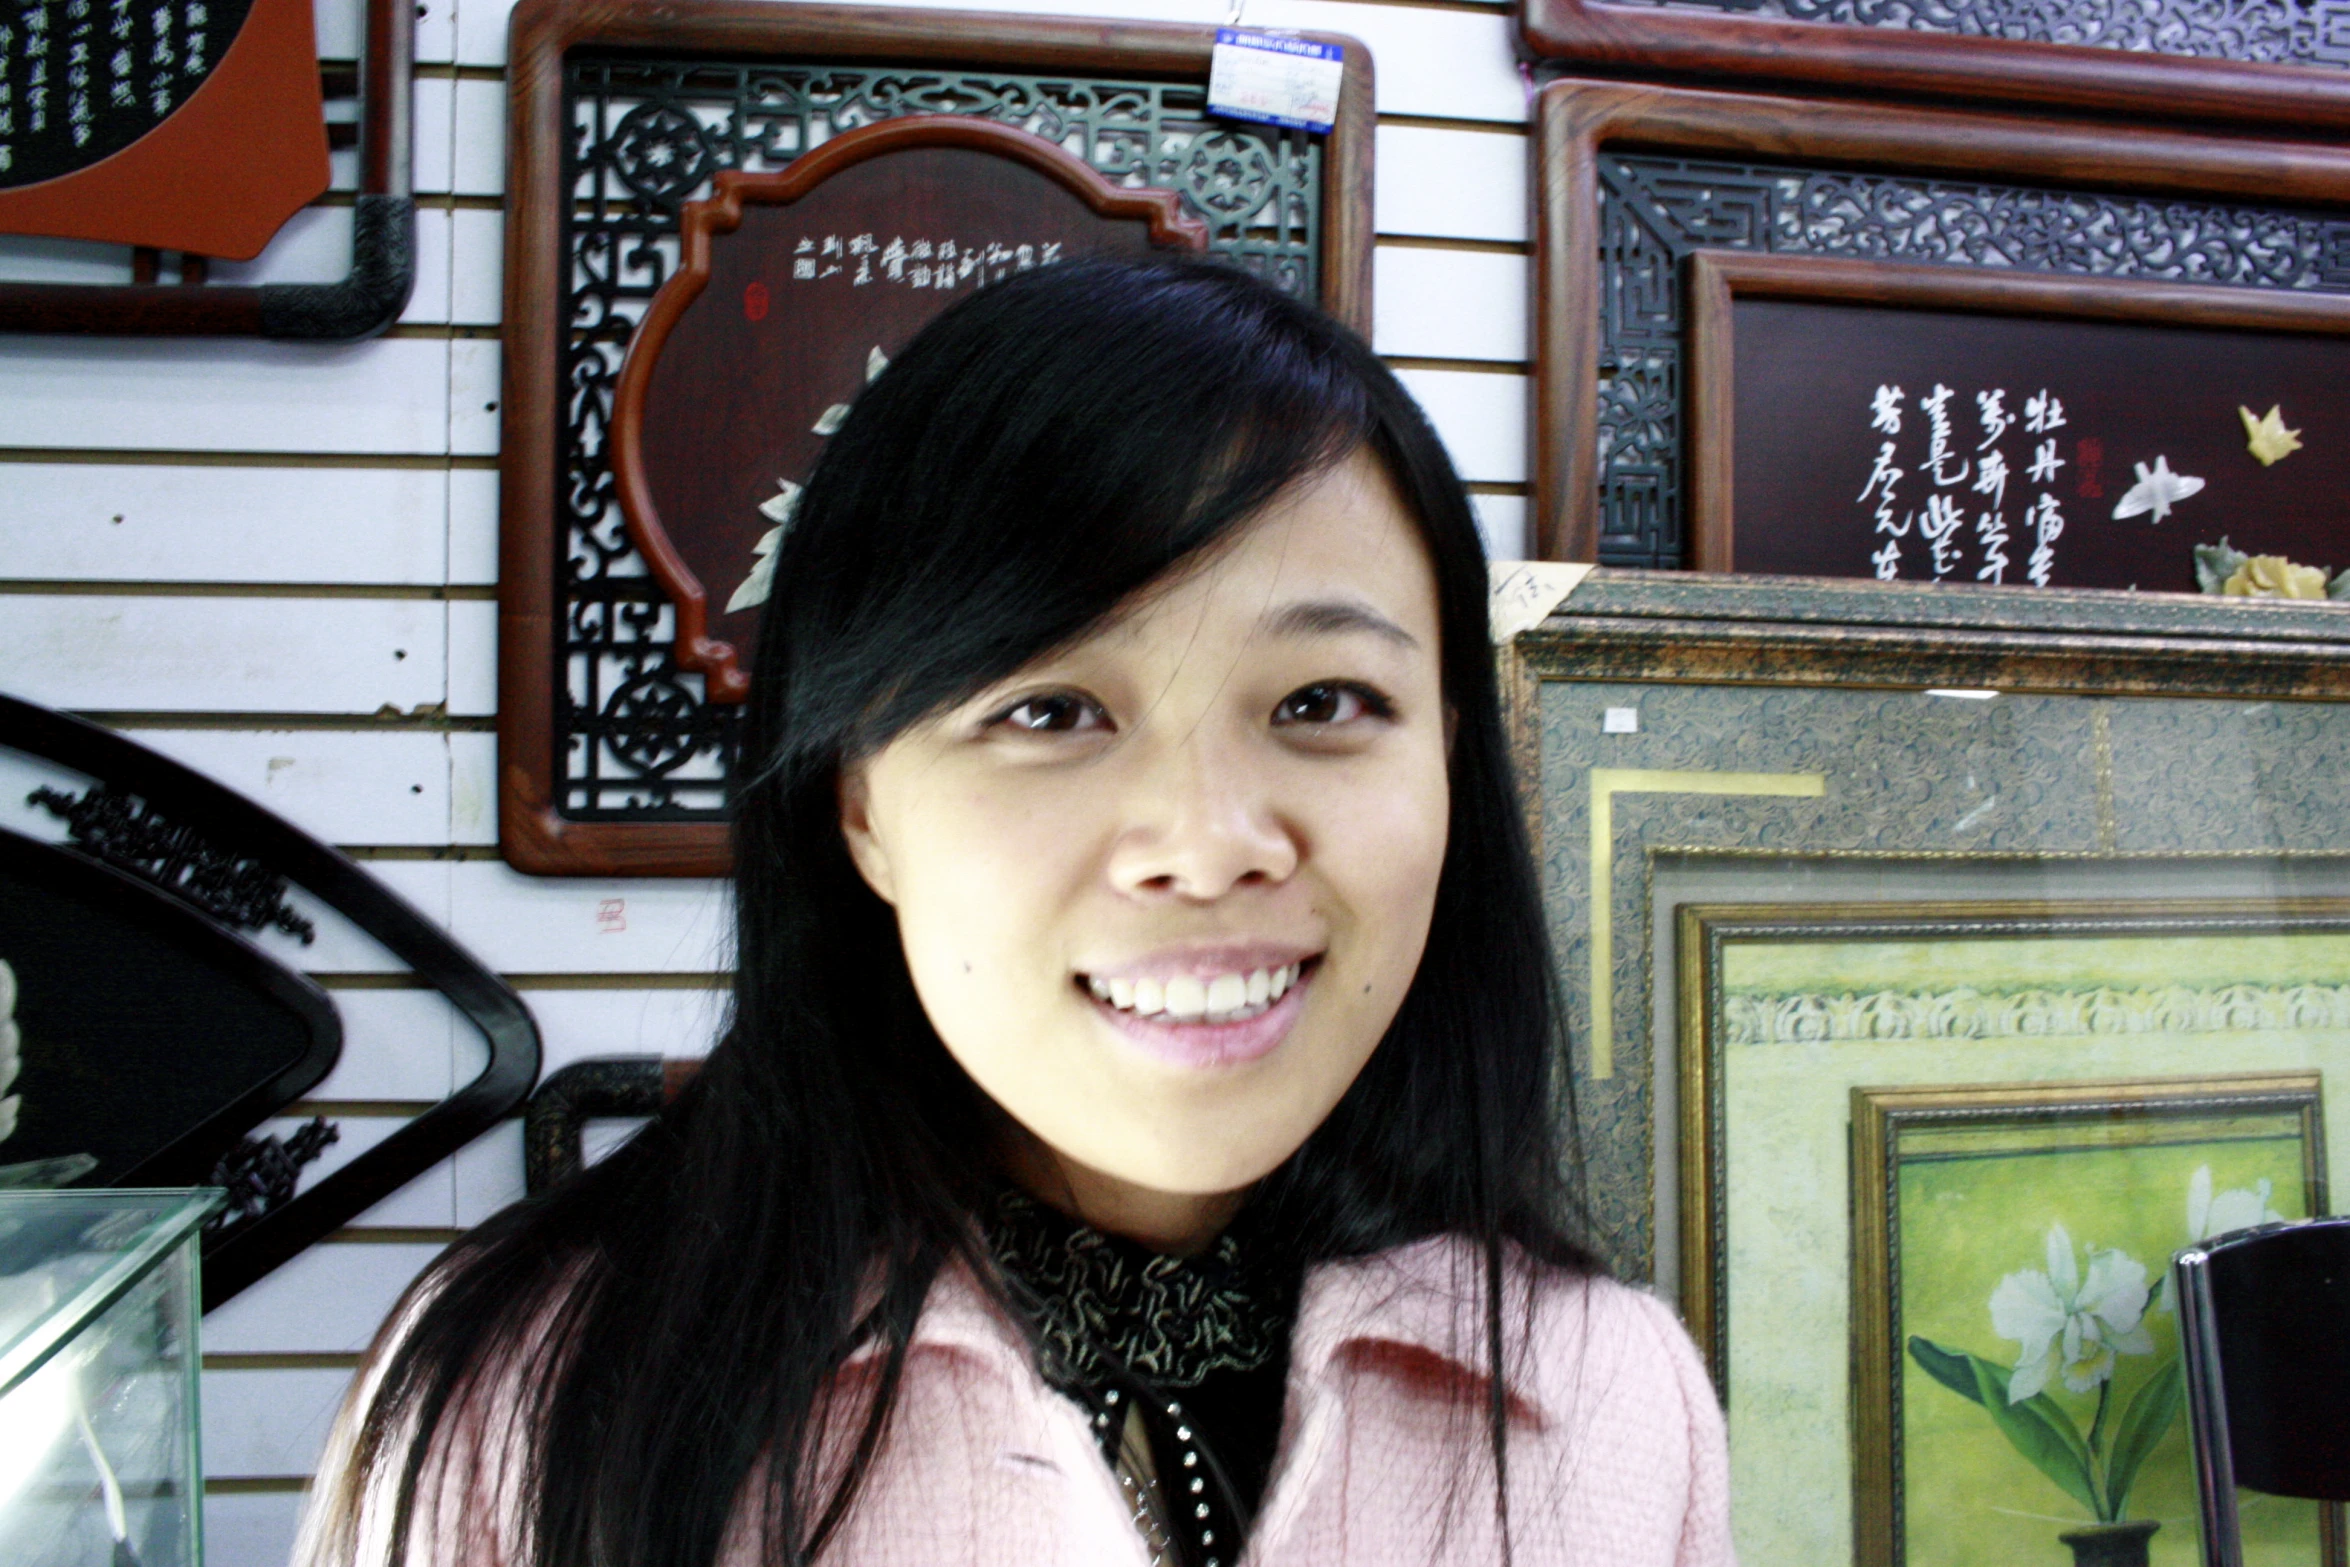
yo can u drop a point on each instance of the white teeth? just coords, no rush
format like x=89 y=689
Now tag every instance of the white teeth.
x=1224 y=998
x=1187 y=998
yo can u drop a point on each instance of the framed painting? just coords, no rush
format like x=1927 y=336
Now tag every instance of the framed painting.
x=2015 y=1338
x=2013 y=806
x=735 y=193
x=2005 y=428
x=2009 y=1044
x=2123 y=235
x=2274 y=64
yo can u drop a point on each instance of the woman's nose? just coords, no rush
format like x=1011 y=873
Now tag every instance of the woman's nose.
x=1203 y=821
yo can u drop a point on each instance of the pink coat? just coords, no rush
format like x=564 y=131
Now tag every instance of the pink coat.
x=1616 y=1454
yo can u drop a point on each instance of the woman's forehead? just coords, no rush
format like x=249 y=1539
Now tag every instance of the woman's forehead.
x=1336 y=555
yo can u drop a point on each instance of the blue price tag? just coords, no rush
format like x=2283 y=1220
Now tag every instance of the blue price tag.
x=1274 y=79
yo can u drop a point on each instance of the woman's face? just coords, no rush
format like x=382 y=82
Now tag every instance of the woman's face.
x=1162 y=891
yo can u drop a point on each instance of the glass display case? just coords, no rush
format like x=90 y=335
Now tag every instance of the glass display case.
x=99 y=1461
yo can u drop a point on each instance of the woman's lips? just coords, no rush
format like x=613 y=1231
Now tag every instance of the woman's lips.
x=1212 y=1039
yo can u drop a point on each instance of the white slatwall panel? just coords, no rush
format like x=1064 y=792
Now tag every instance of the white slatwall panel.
x=273 y=562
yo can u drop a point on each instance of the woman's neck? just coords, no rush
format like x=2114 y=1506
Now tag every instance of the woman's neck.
x=1175 y=1224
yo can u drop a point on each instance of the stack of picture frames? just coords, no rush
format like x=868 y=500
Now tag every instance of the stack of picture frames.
x=725 y=216
x=1950 y=875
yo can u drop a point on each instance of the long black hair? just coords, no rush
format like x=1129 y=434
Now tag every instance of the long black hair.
x=674 y=1319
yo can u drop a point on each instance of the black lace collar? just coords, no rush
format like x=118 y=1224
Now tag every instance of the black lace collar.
x=1106 y=1309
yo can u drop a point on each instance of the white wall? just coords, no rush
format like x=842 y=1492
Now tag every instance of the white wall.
x=278 y=564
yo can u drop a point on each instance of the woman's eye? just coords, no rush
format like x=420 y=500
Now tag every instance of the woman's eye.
x=1330 y=703
x=1059 y=712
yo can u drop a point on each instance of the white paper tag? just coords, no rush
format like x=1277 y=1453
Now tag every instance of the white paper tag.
x=1275 y=80
x=1524 y=592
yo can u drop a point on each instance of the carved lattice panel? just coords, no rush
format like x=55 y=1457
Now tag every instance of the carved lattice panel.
x=638 y=741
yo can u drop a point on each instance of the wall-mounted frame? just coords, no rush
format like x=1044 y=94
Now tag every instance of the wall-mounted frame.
x=1904 y=760
x=2260 y=64
x=2166 y=376
x=1673 y=172
x=613 y=756
x=181 y=836
x=366 y=300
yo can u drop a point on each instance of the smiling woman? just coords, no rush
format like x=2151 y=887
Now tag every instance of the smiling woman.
x=1136 y=1139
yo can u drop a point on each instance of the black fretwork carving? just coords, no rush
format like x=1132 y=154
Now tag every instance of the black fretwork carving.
x=1655 y=210
x=131 y=835
x=2275 y=32
x=260 y=1173
x=638 y=741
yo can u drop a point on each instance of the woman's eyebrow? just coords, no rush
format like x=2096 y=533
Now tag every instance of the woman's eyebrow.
x=1333 y=617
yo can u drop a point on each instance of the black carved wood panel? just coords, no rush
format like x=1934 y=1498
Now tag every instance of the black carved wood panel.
x=1655 y=210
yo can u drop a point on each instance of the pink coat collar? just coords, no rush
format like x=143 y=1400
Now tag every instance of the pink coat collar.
x=1422 y=1303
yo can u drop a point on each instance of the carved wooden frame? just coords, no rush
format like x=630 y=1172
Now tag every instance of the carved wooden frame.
x=1651 y=39
x=1576 y=118
x=1719 y=278
x=722 y=213
x=533 y=834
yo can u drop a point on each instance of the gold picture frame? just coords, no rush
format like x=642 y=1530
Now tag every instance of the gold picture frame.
x=1923 y=1160
x=1787 y=1011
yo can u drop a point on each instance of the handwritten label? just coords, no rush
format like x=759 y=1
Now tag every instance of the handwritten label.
x=1522 y=593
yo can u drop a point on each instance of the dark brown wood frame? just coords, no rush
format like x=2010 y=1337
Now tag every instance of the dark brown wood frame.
x=1650 y=39
x=1577 y=118
x=722 y=213
x=1719 y=278
x=383 y=235
x=533 y=834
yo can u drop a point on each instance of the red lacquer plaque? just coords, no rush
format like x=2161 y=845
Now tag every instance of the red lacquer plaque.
x=793 y=290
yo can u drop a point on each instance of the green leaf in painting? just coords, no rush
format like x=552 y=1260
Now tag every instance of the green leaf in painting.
x=1952 y=1368
x=2152 y=1409
x=2040 y=1430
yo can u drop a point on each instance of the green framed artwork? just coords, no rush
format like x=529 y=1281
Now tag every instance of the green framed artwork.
x=1993 y=798
x=1835 y=739
x=2003 y=1075
x=2017 y=1385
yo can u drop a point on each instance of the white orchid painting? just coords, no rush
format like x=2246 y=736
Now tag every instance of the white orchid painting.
x=2071 y=1349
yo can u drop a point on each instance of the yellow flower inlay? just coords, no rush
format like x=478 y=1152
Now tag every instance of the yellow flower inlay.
x=2274 y=577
